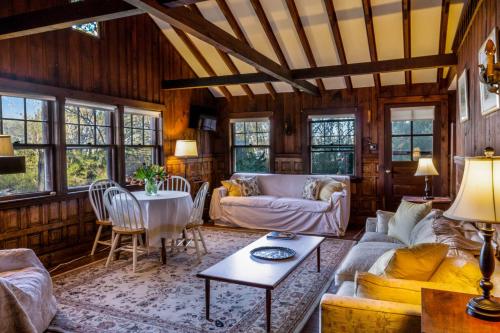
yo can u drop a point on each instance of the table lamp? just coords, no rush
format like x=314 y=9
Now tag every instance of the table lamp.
x=478 y=200
x=8 y=162
x=426 y=168
x=186 y=149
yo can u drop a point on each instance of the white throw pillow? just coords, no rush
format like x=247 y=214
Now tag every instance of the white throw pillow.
x=383 y=218
x=405 y=219
x=311 y=188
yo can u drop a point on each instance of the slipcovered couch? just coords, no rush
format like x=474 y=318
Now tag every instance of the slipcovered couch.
x=281 y=206
x=346 y=312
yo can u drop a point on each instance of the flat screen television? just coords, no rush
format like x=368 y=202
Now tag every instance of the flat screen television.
x=203 y=118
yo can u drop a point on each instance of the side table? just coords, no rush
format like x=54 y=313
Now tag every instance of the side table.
x=444 y=312
x=442 y=203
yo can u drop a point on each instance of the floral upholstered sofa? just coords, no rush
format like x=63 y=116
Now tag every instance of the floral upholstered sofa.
x=281 y=206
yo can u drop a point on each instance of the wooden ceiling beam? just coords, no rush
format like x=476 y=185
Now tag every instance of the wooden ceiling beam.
x=384 y=66
x=179 y=3
x=227 y=60
x=200 y=58
x=407 y=37
x=334 y=25
x=64 y=16
x=183 y=19
x=367 y=9
x=443 y=29
x=299 y=28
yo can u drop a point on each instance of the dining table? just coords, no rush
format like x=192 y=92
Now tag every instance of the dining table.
x=165 y=216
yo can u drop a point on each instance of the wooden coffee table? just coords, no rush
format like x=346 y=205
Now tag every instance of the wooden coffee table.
x=241 y=268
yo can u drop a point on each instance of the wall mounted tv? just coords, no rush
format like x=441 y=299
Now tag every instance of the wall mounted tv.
x=202 y=118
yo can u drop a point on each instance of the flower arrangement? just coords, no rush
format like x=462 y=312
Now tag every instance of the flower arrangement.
x=152 y=175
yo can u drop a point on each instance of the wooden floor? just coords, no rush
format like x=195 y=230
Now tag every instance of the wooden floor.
x=312 y=325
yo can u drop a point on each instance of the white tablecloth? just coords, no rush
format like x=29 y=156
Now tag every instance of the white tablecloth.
x=165 y=215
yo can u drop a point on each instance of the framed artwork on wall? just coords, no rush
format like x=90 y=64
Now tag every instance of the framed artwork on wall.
x=490 y=102
x=463 y=96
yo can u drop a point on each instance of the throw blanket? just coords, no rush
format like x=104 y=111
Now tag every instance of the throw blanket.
x=27 y=304
x=456 y=235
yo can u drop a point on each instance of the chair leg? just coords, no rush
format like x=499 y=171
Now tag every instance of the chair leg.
x=113 y=248
x=172 y=245
x=202 y=239
x=134 y=253
x=196 y=246
x=97 y=236
x=141 y=241
x=147 y=243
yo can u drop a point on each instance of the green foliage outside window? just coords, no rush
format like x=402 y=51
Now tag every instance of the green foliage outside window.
x=251 y=146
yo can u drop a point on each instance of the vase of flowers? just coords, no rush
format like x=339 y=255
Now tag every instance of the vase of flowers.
x=151 y=175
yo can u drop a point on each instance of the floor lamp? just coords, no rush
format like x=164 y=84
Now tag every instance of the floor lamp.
x=186 y=149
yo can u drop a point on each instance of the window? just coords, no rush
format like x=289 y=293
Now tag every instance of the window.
x=332 y=144
x=250 y=145
x=142 y=143
x=88 y=144
x=26 y=120
x=412 y=133
x=90 y=28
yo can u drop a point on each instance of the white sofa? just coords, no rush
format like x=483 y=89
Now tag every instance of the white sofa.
x=280 y=206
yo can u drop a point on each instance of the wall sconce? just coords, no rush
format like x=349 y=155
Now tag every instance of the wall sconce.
x=490 y=75
x=287 y=128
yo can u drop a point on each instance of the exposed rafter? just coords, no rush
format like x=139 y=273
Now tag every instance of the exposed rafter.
x=407 y=37
x=294 y=14
x=367 y=9
x=334 y=25
x=434 y=61
x=64 y=16
x=200 y=58
x=183 y=19
x=445 y=9
x=227 y=60
x=179 y=3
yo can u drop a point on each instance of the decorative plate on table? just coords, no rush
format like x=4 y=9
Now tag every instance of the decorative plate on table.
x=272 y=253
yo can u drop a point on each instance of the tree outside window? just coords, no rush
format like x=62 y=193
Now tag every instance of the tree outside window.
x=251 y=145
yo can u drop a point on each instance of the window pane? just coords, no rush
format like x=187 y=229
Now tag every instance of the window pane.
x=14 y=128
x=263 y=139
x=135 y=157
x=127 y=120
x=85 y=165
x=91 y=28
x=251 y=139
x=239 y=127
x=332 y=162
x=102 y=118
x=36 y=110
x=137 y=121
x=37 y=132
x=148 y=137
x=149 y=122
x=137 y=137
x=128 y=136
x=87 y=135
x=71 y=114
x=401 y=146
x=35 y=177
x=250 y=127
x=239 y=139
x=102 y=135
x=86 y=116
x=401 y=127
x=263 y=126
x=12 y=107
x=72 y=134
x=250 y=159
x=425 y=145
x=422 y=126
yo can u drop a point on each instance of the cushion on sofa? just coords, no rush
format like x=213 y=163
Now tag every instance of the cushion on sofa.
x=311 y=188
x=303 y=205
x=422 y=232
x=460 y=272
x=253 y=201
x=232 y=187
x=249 y=186
x=360 y=258
x=383 y=218
x=406 y=217
x=378 y=237
x=346 y=289
x=329 y=186
x=410 y=263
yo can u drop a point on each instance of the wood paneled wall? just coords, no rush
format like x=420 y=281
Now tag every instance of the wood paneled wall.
x=289 y=150
x=129 y=60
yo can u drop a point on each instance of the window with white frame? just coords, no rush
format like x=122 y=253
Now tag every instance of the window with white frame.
x=27 y=121
x=88 y=142
x=142 y=141
x=332 y=144
x=250 y=145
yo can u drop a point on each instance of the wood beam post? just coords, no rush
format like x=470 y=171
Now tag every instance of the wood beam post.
x=445 y=9
x=367 y=9
x=407 y=37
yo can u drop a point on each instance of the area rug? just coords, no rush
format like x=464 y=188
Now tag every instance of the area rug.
x=170 y=298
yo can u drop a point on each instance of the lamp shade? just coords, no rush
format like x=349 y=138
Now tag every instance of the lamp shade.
x=478 y=199
x=6 y=148
x=426 y=167
x=186 y=148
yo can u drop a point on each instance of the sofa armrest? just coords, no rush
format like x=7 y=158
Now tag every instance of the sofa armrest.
x=215 y=208
x=371 y=224
x=352 y=314
x=15 y=259
x=340 y=202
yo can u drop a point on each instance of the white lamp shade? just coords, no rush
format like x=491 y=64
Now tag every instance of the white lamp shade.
x=426 y=167
x=478 y=199
x=6 y=148
x=186 y=148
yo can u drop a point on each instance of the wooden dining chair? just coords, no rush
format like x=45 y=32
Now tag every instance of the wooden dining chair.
x=176 y=183
x=196 y=221
x=96 y=197
x=126 y=214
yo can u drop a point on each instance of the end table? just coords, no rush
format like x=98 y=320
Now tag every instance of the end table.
x=442 y=203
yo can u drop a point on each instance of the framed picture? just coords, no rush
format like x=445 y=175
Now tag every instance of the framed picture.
x=463 y=97
x=490 y=102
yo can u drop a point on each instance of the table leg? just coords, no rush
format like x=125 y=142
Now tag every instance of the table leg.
x=184 y=242
x=163 y=252
x=207 y=299
x=268 y=310
x=318 y=257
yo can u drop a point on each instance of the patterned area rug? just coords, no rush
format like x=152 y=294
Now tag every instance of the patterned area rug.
x=171 y=298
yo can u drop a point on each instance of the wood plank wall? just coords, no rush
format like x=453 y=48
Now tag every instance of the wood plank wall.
x=479 y=131
x=288 y=151
x=129 y=60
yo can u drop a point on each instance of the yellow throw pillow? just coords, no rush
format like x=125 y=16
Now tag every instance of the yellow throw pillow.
x=328 y=187
x=462 y=273
x=233 y=188
x=406 y=217
x=411 y=263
